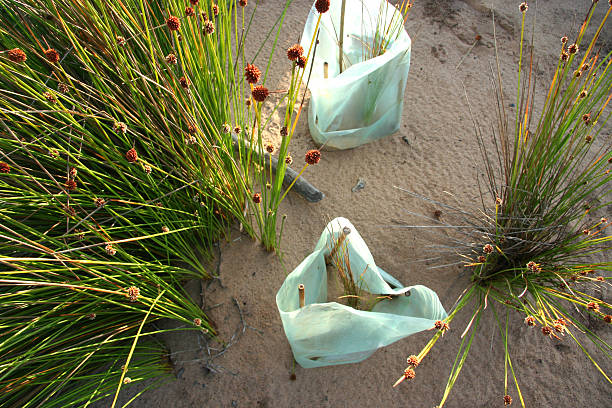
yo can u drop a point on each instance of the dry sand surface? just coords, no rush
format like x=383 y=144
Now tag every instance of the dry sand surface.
x=435 y=151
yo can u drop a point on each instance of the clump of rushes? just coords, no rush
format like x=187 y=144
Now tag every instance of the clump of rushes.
x=538 y=226
x=85 y=249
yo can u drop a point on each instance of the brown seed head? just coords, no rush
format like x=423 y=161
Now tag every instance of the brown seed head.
x=301 y=61
x=171 y=59
x=564 y=56
x=322 y=6
x=63 y=88
x=120 y=127
x=243 y=3
x=52 y=56
x=607 y=318
x=185 y=83
x=523 y=7
x=215 y=9
x=583 y=94
x=226 y=128
x=72 y=173
x=49 y=97
x=270 y=148
x=507 y=400
x=533 y=267
x=257 y=198
x=208 y=27
x=546 y=330
x=197 y=322
x=413 y=361
x=131 y=155
x=564 y=40
x=283 y=131
x=593 y=306
x=288 y=159
x=120 y=41
x=71 y=185
x=260 y=93
x=173 y=23
x=99 y=202
x=133 y=292
x=530 y=321
x=237 y=130
x=482 y=259
x=313 y=156
x=294 y=52
x=252 y=74
x=4 y=167
x=409 y=373
x=440 y=325
x=194 y=2
x=586 y=118
x=572 y=49
x=110 y=250
x=588 y=138
x=189 y=12
x=147 y=169
x=17 y=55
x=559 y=328
x=487 y=249
x=585 y=67
x=165 y=229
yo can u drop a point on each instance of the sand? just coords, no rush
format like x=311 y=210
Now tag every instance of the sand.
x=435 y=151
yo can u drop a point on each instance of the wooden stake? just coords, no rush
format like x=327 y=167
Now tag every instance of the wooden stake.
x=302 y=296
x=325 y=70
x=341 y=42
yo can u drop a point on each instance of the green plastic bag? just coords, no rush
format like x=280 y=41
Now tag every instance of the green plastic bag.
x=326 y=333
x=365 y=101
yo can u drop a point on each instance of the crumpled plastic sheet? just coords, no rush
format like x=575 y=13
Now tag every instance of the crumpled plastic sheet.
x=326 y=333
x=365 y=101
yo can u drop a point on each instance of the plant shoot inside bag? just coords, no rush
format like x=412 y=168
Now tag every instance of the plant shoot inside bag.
x=359 y=71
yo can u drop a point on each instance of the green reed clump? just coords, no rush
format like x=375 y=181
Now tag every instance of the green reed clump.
x=118 y=171
x=535 y=247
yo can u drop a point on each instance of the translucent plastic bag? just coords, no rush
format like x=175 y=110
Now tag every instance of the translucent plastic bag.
x=326 y=333
x=365 y=101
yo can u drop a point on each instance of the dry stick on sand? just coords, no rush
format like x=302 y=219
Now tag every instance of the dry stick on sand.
x=476 y=40
x=302 y=296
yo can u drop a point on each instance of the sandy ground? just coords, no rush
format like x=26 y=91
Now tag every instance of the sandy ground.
x=435 y=151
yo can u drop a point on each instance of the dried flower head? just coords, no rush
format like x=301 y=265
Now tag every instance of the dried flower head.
x=173 y=23
x=482 y=259
x=588 y=138
x=301 y=61
x=226 y=128
x=120 y=41
x=577 y=73
x=194 y=2
x=507 y=400
x=17 y=55
x=208 y=27
x=92 y=316
x=248 y=102
x=49 y=97
x=185 y=82
x=534 y=267
x=147 y=169
x=283 y=131
x=442 y=326
x=63 y=88
x=586 y=118
x=197 y=322
x=189 y=12
x=564 y=40
x=413 y=361
x=564 y=56
x=530 y=321
x=71 y=185
x=237 y=130
x=243 y=3
x=257 y=198
x=313 y=156
x=409 y=373
x=583 y=94
x=127 y=380
x=133 y=292
x=322 y=6
x=190 y=140
x=585 y=67
x=487 y=249
x=593 y=306
x=171 y=59
x=498 y=201
x=4 y=167
x=120 y=127
x=294 y=52
x=270 y=148
x=607 y=318
x=52 y=56
x=110 y=250
x=69 y=210
x=572 y=49
x=251 y=73
x=99 y=202
x=288 y=159
x=131 y=155
x=546 y=330
x=215 y=10
x=260 y=93
x=165 y=229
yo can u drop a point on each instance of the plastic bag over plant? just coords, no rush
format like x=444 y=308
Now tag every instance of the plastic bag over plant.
x=328 y=333
x=364 y=101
